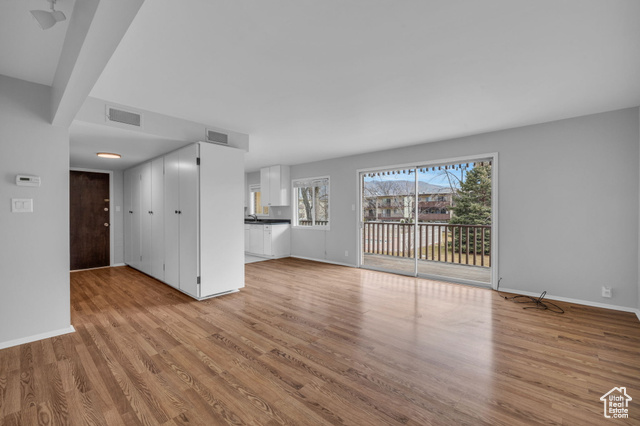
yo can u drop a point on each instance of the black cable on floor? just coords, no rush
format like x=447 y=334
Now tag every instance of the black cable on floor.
x=539 y=304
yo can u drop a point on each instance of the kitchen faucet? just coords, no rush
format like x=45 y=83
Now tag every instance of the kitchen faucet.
x=255 y=217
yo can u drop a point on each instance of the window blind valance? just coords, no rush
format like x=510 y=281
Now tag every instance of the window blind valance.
x=310 y=183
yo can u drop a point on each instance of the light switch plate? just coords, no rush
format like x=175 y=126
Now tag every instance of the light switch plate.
x=22 y=205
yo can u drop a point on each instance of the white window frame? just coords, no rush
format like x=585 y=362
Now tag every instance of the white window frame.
x=252 y=188
x=294 y=205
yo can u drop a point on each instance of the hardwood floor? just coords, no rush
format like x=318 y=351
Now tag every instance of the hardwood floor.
x=310 y=343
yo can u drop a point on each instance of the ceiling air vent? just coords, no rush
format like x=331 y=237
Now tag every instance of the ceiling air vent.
x=129 y=118
x=217 y=137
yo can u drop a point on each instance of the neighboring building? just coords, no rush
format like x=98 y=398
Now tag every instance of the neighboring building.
x=433 y=206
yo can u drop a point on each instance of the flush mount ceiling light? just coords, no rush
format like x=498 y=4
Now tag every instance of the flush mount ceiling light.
x=48 y=19
x=108 y=155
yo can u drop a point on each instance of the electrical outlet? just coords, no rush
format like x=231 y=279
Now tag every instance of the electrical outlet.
x=346 y=253
x=606 y=291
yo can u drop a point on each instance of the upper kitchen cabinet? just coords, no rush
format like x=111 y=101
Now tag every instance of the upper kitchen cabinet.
x=274 y=186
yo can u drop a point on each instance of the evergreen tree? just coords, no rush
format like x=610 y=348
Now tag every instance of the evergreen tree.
x=473 y=206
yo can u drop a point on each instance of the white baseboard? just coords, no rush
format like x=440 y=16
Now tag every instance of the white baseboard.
x=118 y=264
x=36 y=337
x=576 y=301
x=325 y=261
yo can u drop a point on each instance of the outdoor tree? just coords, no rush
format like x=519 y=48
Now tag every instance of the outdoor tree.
x=473 y=206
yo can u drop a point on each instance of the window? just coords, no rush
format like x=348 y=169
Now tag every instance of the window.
x=254 y=202
x=311 y=202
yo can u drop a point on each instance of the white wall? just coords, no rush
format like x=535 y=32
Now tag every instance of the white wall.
x=568 y=204
x=34 y=247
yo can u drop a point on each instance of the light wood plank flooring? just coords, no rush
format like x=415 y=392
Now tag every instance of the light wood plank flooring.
x=309 y=344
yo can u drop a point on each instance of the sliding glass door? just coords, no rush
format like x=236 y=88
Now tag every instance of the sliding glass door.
x=433 y=220
x=388 y=210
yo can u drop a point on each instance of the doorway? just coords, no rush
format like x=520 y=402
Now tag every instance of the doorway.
x=434 y=220
x=89 y=213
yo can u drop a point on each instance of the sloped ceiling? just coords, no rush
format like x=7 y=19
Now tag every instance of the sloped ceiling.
x=28 y=52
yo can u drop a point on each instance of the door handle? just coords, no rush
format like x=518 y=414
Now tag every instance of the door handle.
x=106 y=224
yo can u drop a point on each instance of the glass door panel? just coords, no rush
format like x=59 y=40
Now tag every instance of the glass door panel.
x=388 y=218
x=454 y=221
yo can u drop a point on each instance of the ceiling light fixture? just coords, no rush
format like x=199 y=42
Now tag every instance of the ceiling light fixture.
x=108 y=155
x=48 y=19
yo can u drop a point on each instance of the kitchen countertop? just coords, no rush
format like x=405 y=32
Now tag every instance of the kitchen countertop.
x=267 y=222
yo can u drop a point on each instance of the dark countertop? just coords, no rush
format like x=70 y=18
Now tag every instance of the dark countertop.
x=267 y=222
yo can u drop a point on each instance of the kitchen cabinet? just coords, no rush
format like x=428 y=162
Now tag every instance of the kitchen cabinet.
x=256 y=239
x=274 y=186
x=190 y=211
x=268 y=240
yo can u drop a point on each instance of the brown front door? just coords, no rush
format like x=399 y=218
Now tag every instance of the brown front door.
x=89 y=214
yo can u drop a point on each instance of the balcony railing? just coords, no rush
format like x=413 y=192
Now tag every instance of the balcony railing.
x=310 y=223
x=461 y=244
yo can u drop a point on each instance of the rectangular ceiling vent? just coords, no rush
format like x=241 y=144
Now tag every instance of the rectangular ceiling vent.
x=116 y=115
x=217 y=137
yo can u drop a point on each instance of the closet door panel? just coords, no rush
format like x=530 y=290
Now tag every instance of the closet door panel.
x=172 y=219
x=136 y=244
x=157 y=218
x=189 y=226
x=128 y=213
x=145 y=218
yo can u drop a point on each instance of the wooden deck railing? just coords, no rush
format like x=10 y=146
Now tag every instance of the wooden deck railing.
x=462 y=244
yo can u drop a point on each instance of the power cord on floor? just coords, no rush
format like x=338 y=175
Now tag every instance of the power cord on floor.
x=539 y=304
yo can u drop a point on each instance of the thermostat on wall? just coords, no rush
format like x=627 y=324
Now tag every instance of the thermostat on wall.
x=23 y=180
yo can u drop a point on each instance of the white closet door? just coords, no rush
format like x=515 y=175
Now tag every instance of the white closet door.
x=157 y=218
x=189 y=227
x=136 y=248
x=128 y=213
x=145 y=218
x=172 y=219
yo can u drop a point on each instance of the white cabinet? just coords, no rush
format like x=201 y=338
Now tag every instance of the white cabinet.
x=143 y=200
x=181 y=219
x=190 y=219
x=280 y=240
x=268 y=240
x=129 y=255
x=274 y=186
x=267 y=248
x=256 y=239
x=156 y=251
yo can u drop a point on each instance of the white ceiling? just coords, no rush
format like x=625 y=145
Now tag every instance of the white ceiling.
x=309 y=80
x=317 y=79
x=87 y=139
x=28 y=52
